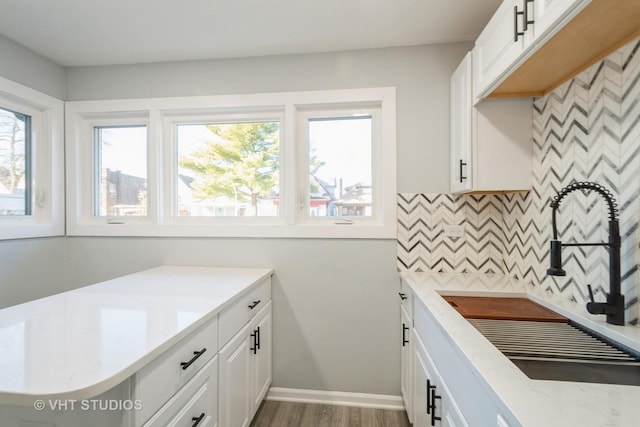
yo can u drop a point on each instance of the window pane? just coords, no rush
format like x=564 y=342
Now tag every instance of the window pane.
x=122 y=171
x=15 y=182
x=340 y=166
x=228 y=169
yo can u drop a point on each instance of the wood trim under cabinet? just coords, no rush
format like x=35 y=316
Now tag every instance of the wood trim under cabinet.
x=601 y=28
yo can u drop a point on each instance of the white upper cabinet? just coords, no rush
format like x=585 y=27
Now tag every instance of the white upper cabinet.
x=499 y=45
x=513 y=34
x=460 y=129
x=544 y=15
x=491 y=143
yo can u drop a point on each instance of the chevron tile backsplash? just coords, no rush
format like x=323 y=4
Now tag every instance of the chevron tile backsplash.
x=422 y=245
x=588 y=129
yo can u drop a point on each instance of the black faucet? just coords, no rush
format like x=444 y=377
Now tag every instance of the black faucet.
x=614 y=307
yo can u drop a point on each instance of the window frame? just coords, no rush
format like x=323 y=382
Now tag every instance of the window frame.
x=171 y=121
x=95 y=195
x=45 y=161
x=164 y=113
x=344 y=111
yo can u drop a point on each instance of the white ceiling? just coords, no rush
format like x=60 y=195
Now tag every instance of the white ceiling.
x=100 y=32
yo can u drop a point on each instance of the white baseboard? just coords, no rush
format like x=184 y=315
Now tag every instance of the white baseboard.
x=362 y=400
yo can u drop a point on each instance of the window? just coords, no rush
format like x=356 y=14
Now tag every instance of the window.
x=295 y=164
x=15 y=166
x=121 y=171
x=228 y=169
x=31 y=163
x=339 y=165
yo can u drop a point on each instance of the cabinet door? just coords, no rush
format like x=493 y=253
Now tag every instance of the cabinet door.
x=498 y=46
x=546 y=14
x=234 y=409
x=461 y=127
x=261 y=352
x=427 y=400
x=406 y=361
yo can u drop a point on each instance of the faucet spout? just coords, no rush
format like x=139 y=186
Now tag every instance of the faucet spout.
x=613 y=308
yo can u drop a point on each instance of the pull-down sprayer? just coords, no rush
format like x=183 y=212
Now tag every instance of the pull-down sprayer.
x=614 y=307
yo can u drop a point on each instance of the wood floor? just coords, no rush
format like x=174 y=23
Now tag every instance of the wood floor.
x=287 y=414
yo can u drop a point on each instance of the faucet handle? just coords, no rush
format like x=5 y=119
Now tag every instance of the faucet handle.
x=590 y=293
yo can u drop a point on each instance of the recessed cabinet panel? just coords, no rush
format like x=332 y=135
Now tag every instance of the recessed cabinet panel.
x=262 y=354
x=491 y=142
x=499 y=45
x=514 y=33
x=461 y=126
x=406 y=362
x=545 y=14
x=197 y=398
x=235 y=316
x=164 y=376
x=234 y=409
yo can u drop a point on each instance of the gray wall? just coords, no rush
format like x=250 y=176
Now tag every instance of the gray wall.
x=420 y=74
x=30 y=69
x=31 y=268
x=336 y=308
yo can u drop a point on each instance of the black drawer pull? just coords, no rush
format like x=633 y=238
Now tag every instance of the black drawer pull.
x=526 y=19
x=429 y=387
x=258 y=338
x=197 y=354
x=434 y=396
x=254 y=305
x=197 y=420
x=403 y=296
x=462 y=164
x=254 y=335
x=516 y=33
x=405 y=341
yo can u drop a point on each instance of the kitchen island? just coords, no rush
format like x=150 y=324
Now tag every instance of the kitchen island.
x=118 y=352
x=472 y=370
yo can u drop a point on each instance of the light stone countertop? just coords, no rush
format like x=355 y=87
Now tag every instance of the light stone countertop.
x=533 y=402
x=81 y=343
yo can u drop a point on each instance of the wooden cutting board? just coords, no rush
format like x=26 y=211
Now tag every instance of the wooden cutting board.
x=503 y=308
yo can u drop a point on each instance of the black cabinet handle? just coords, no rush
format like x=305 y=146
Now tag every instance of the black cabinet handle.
x=254 y=305
x=254 y=335
x=516 y=33
x=403 y=296
x=434 y=396
x=405 y=341
x=462 y=164
x=429 y=404
x=258 y=338
x=197 y=354
x=527 y=21
x=197 y=420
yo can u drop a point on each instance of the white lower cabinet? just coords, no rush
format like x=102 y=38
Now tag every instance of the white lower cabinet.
x=447 y=391
x=406 y=362
x=433 y=404
x=195 y=404
x=235 y=380
x=262 y=356
x=245 y=371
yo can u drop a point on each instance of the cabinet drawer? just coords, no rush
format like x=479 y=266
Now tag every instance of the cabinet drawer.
x=163 y=377
x=198 y=400
x=237 y=315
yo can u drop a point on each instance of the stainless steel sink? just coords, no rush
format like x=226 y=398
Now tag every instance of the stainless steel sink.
x=561 y=351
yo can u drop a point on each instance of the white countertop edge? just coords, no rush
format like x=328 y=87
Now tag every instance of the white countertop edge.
x=97 y=388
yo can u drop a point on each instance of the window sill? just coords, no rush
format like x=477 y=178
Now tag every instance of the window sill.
x=346 y=231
